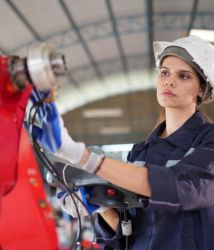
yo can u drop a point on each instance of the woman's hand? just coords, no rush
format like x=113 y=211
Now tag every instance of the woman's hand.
x=71 y=204
x=111 y=217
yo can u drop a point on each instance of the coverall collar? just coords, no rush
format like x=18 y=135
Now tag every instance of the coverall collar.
x=183 y=136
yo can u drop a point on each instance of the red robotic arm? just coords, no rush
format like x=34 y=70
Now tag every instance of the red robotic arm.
x=41 y=67
x=12 y=110
x=24 y=209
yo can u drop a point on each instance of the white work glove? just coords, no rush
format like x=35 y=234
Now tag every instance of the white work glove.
x=67 y=203
x=49 y=130
x=54 y=137
x=70 y=150
x=73 y=151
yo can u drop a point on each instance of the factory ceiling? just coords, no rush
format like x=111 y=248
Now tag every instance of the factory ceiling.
x=107 y=43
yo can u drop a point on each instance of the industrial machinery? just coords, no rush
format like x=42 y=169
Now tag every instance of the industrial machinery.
x=23 y=201
x=26 y=218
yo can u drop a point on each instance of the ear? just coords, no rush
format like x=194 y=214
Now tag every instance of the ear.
x=198 y=100
x=201 y=91
x=200 y=94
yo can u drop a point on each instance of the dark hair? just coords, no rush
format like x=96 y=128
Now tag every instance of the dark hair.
x=203 y=85
x=162 y=117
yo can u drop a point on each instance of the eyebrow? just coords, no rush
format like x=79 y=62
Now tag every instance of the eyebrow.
x=181 y=70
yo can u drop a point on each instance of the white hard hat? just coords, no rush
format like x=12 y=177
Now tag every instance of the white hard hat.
x=201 y=54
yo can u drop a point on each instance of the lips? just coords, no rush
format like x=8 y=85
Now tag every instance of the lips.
x=168 y=93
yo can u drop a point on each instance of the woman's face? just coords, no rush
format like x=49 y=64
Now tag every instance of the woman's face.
x=177 y=84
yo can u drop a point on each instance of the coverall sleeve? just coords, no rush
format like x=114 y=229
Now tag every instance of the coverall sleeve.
x=106 y=237
x=189 y=184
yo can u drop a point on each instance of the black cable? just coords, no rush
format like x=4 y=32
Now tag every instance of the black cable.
x=54 y=172
x=38 y=152
x=51 y=168
x=125 y=218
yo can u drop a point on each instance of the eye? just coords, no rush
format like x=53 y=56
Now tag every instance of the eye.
x=183 y=76
x=163 y=72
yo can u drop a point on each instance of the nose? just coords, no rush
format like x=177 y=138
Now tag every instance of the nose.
x=169 y=82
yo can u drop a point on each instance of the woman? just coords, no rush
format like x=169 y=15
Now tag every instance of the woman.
x=173 y=167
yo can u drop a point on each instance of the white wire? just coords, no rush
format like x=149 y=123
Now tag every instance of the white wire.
x=63 y=174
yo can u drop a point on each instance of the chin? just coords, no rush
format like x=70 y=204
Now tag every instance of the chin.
x=166 y=103
x=169 y=105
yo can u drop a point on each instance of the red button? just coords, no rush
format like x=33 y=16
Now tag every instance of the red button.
x=111 y=192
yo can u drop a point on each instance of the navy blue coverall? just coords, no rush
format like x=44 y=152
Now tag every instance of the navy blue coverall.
x=179 y=215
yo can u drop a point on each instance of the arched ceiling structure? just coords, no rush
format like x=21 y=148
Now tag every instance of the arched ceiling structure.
x=107 y=43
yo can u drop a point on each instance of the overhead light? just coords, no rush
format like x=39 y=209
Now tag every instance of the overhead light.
x=102 y=112
x=117 y=147
x=207 y=35
x=115 y=130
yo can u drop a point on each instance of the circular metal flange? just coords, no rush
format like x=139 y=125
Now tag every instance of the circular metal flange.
x=42 y=67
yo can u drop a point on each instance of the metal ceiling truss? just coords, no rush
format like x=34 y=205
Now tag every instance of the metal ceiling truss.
x=109 y=67
x=180 y=20
x=82 y=74
x=24 y=20
x=120 y=25
x=204 y=21
x=71 y=79
x=193 y=15
x=80 y=38
x=150 y=28
x=116 y=35
x=129 y=24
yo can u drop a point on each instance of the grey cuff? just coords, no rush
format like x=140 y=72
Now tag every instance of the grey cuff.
x=93 y=163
